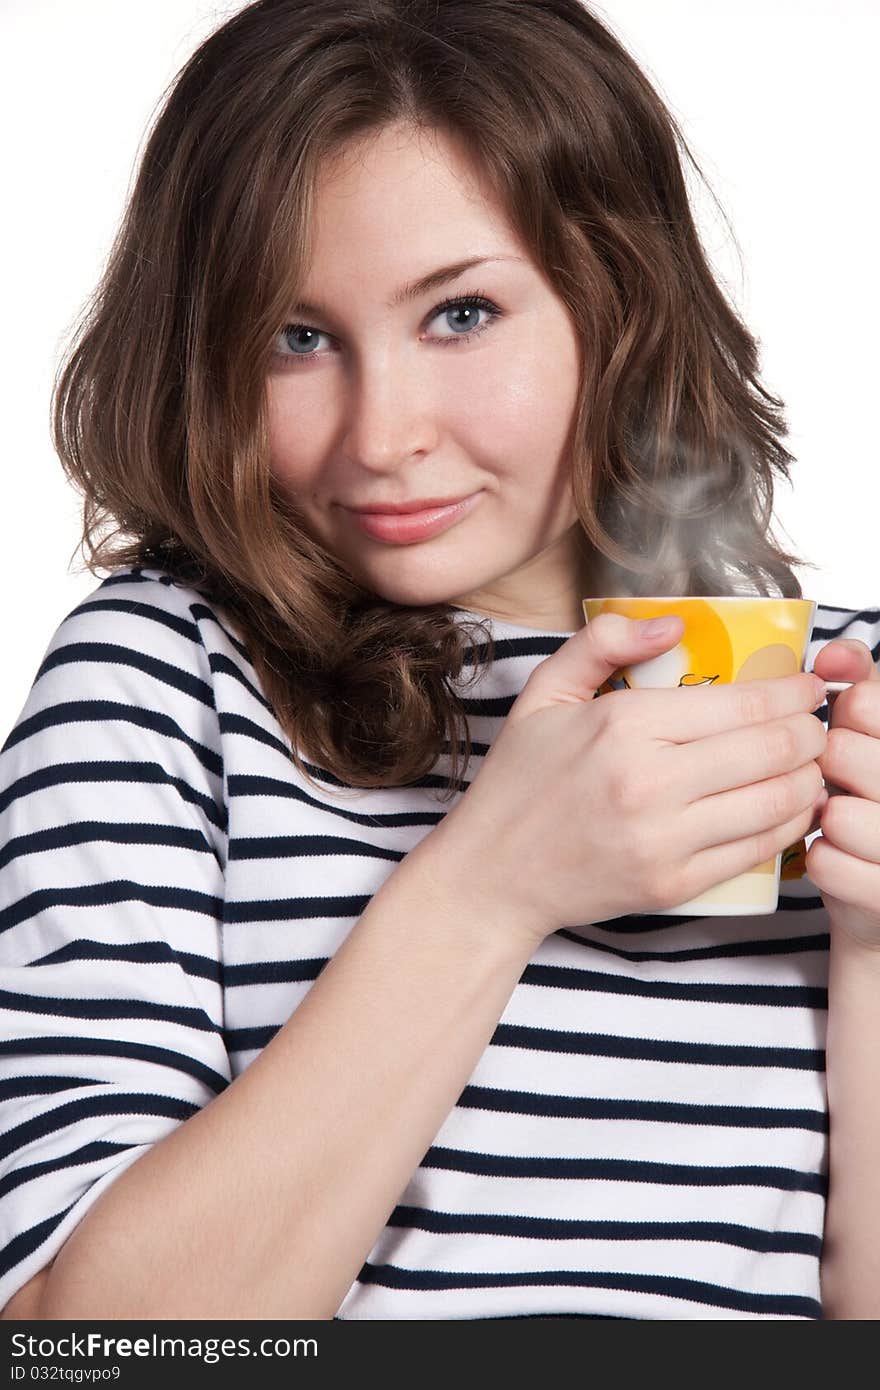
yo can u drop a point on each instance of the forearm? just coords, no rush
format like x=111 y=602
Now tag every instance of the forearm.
x=266 y=1203
x=851 y=1250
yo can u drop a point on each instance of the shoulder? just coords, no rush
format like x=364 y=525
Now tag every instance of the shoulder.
x=121 y=720
x=141 y=605
x=129 y=671
x=146 y=621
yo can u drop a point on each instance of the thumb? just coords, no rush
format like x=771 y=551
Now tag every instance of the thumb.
x=589 y=657
x=845 y=659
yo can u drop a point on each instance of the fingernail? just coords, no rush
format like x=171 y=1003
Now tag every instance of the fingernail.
x=656 y=627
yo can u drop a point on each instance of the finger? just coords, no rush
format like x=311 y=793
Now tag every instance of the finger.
x=855 y=705
x=851 y=761
x=754 y=810
x=853 y=825
x=686 y=713
x=845 y=659
x=743 y=756
x=720 y=862
x=855 y=882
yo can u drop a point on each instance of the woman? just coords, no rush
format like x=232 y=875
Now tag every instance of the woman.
x=326 y=993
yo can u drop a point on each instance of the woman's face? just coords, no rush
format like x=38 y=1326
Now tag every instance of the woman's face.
x=375 y=402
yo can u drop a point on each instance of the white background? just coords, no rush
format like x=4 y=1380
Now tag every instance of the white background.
x=775 y=97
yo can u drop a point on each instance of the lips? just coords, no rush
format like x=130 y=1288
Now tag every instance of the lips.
x=402 y=528
x=423 y=504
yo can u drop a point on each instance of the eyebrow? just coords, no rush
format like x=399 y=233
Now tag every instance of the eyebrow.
x=414 y=289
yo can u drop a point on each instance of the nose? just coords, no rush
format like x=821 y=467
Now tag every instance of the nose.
x=391 y=416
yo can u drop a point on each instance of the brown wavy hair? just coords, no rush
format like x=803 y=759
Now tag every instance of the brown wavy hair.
x=159 y=407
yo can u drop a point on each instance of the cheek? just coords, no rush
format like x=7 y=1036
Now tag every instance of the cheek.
x=522 y=406
x=295 y=438
x=537 y=385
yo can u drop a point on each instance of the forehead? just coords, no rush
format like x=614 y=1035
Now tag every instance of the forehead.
x=413 y=195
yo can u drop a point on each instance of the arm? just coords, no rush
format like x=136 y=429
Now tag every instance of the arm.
x=112 y=845
x=840 y=864
x=25 y=1304
x=851 y=1251
x=266 y=1203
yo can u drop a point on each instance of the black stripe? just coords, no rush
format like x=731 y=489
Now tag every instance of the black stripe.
x=133 y=574
x=87 y=1107
x=478 y=749
x=115 y=655
x=274 y=972
x=149 y=610
x=184 y=627
x=541 y=1228
x=307 y=846
x=624 y=1170
x=104 y=711
x=572 y=978
x=657 y=1049
x=43 y=1085
x=88 y=1153
x=668 y=1286
x=635 y=923
x=295 y=909
x=141 y=952
x=203 y=610
x=543 y=644
x=833 y=608
x=149 y=774
x=90 y=832
x=107 y=1008
x=102 y=894
x=871 y=616
x=240 y=724
x=222 y=666
x=662 y=1111
x=252 y=785
x=790 y=903
x=24 y=1244
x=115 y=1047
x=490 y=707
x=249 y=1039
x=789 y=945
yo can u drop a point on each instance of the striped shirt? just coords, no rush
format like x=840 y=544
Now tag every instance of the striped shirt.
x=645 y=1135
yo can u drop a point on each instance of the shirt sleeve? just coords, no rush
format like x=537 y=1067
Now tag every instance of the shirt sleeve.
x=112 y=857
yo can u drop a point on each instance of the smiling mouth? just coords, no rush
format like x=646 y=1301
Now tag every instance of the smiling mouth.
x=423 y=504
x=401 y=528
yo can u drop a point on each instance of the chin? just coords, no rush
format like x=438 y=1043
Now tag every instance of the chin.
x=414 y=600
x=412 y=595
x=408 y=590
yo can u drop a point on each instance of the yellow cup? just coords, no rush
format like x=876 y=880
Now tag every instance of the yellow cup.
x=725 y=640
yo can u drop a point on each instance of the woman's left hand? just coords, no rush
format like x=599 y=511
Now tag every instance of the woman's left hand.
x=844 y=861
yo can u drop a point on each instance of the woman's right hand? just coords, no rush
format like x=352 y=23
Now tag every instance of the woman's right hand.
x=587 y=809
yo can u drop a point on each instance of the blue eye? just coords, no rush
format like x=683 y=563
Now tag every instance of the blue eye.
x=307 y=335
x=466 y=302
